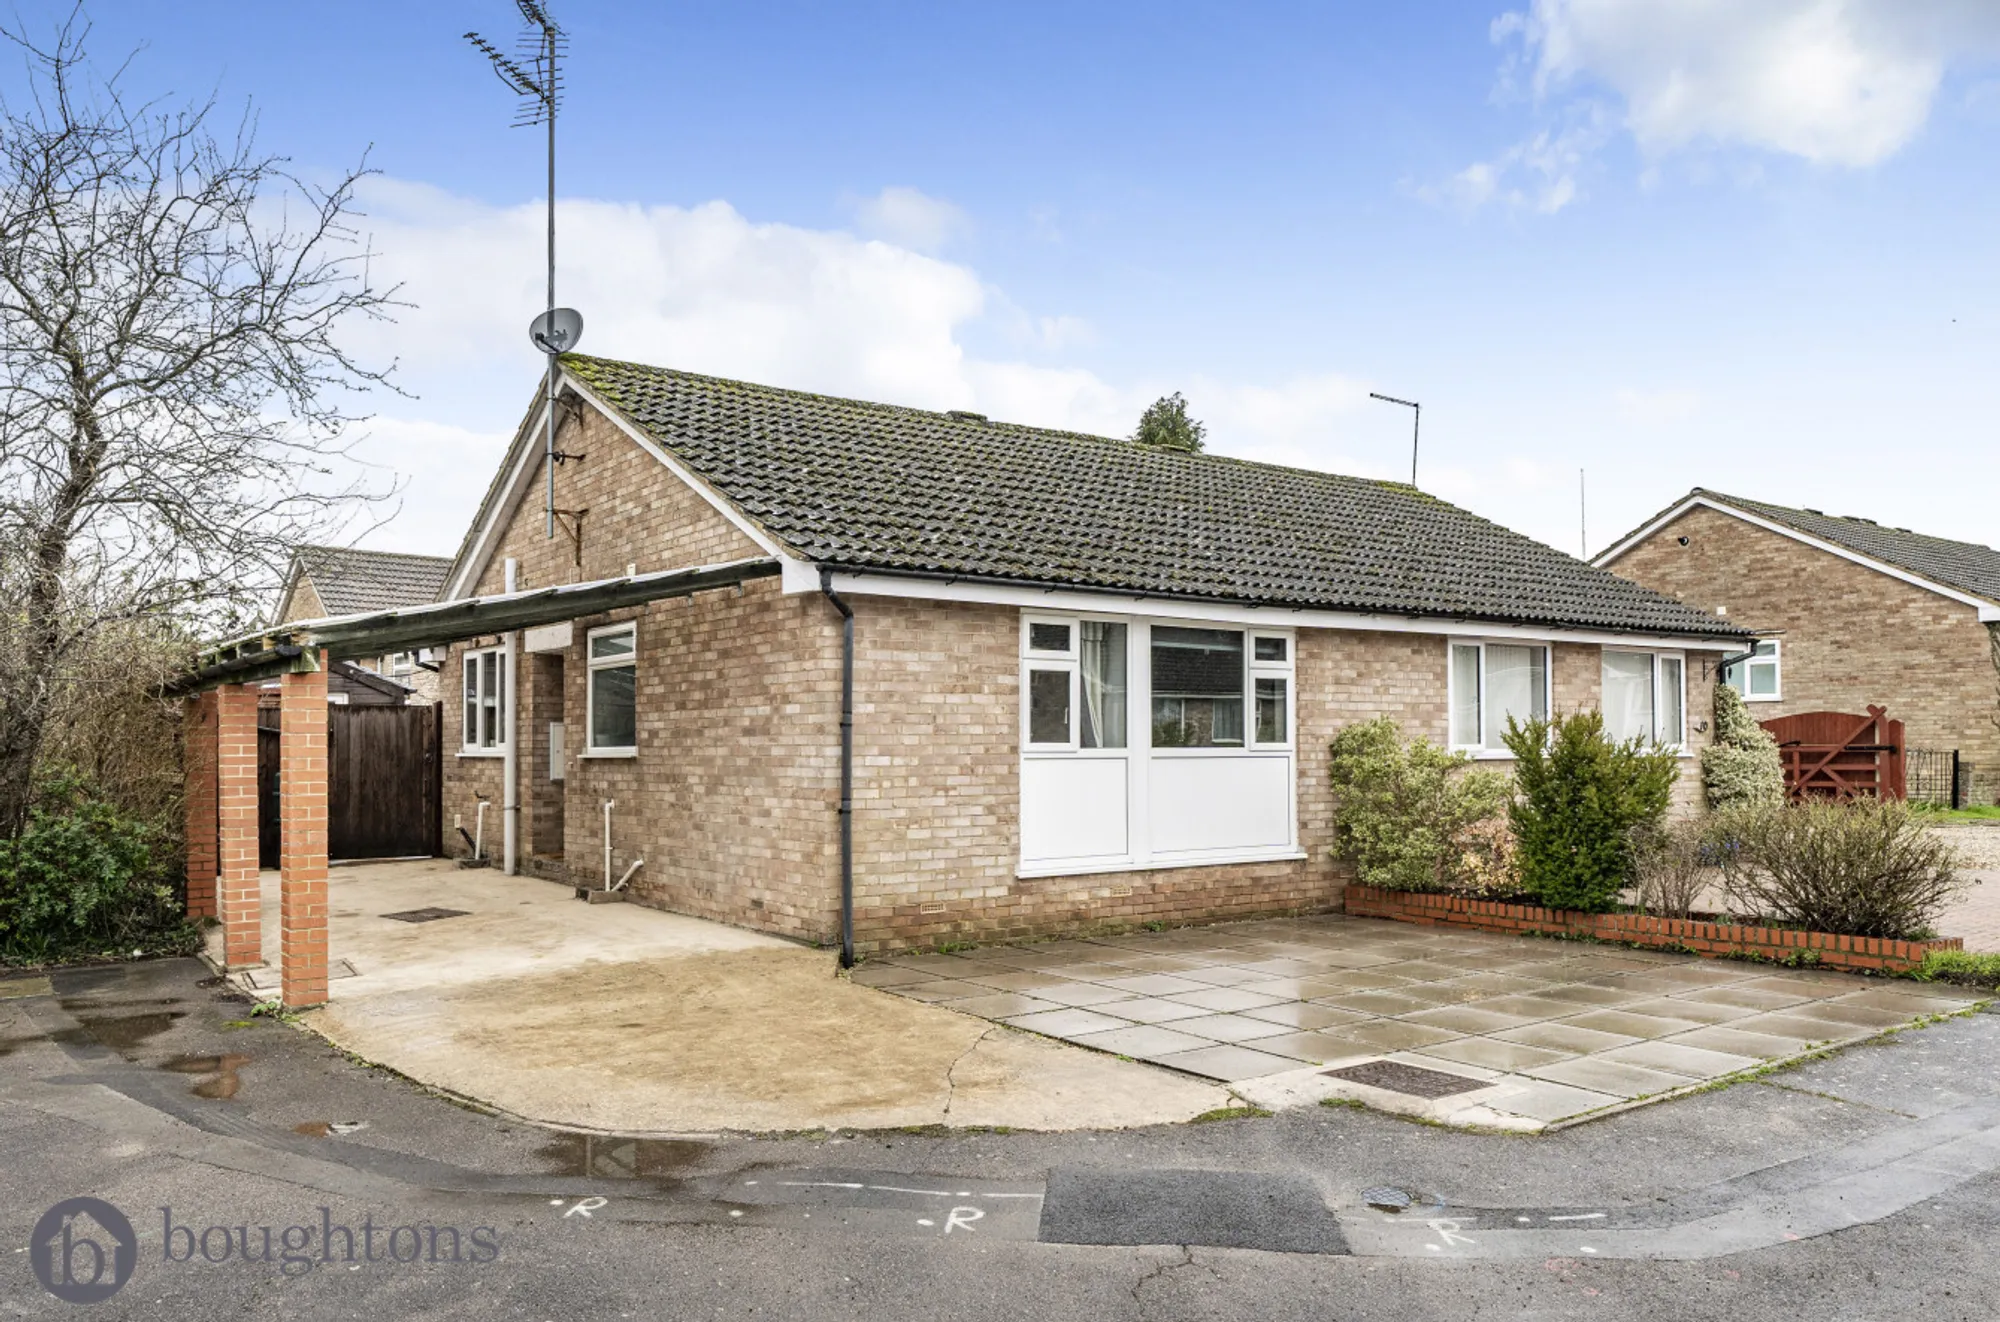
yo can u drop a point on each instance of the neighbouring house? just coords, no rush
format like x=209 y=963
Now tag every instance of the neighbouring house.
x=1855 y=613
x=1091 y=682
x=333 y=580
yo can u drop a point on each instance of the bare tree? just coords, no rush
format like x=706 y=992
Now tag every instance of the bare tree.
x=175 y=373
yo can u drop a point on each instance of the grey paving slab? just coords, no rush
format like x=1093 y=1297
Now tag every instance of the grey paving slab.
x=1754 y=998
x=1701 y=1012
x=1316 y=1048
x=1861 y=1016
x=1386 y=1004
x=939 y=989
x=1435 y=994
x=1224 y=999
x=1528 y=1007
x=1298 y=1014
x=1223 y=975
x=1153 y=984
x=1387 y=1035
x=1466 y=1019
x=889 y=975
x=1083 y=993
x=1933 y=1000
x=1228 y=1063
x=1021 y=980
x=1144 y=1040
x=1001 y=1005
x=1151 y=1010
x=1231 y=1028
x=1804 y=984
x=1066 y=1023
x=1425 y=970
x=1494 y=1054
x=1565 y=1037
x=1806 y=1027
x=1583 y=995
x=1347 y=980
x=1631 y=1025
x=1597 y=1074
x=1497 y=984
x=1674 y=1058
x=1159 y=963
x=1091 y=970
x=947 y=966
x=1282 y=968
x=1739 y=1043
x=1550 y=1102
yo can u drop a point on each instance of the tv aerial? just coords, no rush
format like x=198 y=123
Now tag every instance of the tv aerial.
x=533 y=74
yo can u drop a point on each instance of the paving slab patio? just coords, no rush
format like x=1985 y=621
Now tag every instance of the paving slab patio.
x=1546 y=1032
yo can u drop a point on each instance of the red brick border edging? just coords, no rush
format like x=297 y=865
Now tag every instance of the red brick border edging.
x=1852 y=953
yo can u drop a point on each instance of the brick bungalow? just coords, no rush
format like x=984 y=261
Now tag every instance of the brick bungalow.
x=337 y=580
x=1861 y=614
x=1092 y=682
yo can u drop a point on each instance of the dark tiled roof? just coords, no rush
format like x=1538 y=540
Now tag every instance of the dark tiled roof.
x=874 y=486
x=350 y=582
x=1967 y=566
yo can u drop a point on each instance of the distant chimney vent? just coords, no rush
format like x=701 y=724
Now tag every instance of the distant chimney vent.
x=966 y=415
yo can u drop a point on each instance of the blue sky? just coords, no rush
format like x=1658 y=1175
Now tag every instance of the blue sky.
x=1672 y=242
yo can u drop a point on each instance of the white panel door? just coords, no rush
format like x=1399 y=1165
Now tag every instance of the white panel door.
x=1201 y=804
x=1073 y=808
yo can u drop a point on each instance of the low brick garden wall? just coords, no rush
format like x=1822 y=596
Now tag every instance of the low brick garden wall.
x=1714 y=940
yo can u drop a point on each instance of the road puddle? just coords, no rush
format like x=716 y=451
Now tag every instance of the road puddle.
x=614 y=1158
x=222 y=1081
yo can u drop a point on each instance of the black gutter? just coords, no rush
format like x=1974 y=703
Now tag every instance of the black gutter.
x=846 y=766
x=1727 y=633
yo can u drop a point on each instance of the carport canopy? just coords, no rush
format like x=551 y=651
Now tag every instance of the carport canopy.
x=295 y=647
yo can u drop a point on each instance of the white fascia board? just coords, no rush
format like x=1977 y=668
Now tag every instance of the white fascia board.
x=1988 y=612
x=523 y=472
x=1270 y=617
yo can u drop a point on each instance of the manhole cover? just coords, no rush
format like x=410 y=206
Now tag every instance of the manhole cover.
x=426 y=915
x=1394 y=1076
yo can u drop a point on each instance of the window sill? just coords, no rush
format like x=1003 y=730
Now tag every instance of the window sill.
x=1088 y=868
x=1772 y=697
x=482 y=752
x=592 y=754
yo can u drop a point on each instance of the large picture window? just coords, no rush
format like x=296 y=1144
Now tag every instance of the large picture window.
x=1491 y=682
x=1757 y=678
x=613 y=715
x=1151 y=743
x=1645 y=697
x=485 y=712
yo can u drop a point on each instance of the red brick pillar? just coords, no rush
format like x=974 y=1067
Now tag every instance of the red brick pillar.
x=237 y=899
x=198 y=765
x=302 y=811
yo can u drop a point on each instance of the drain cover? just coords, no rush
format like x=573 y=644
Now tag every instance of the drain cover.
x=1394 y=1076
x=1387 y=1199
x=426 y=915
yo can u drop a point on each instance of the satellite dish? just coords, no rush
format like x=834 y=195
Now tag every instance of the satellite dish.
x=557 y=331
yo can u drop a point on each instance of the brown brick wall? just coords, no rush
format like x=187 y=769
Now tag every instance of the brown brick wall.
x=1853 y=636
x=302 y=802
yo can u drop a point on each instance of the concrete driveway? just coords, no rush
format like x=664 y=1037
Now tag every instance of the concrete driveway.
x=625 y=1019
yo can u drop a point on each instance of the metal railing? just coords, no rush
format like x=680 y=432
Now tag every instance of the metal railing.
x=1935 y=775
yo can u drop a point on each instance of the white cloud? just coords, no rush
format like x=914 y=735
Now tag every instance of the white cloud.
x=1845 y=83
x=910 y=218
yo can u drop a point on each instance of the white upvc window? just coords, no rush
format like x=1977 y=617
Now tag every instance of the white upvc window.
x=485 y=705
x=403 y=663
x=1645 y=696
x=1757 y=678
x=1154 y=742
x=611 y=717
x=1487 y=682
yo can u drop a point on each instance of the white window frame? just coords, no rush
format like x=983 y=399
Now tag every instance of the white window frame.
x=468 y=736
x=402 y=663
x=592 y=664
x=1139 y=752
x=1679 y=742
x=1774 y=658
x=1479 y=751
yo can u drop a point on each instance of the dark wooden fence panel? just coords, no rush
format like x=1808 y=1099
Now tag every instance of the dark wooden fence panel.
x=384 y=781
x=1841 y=755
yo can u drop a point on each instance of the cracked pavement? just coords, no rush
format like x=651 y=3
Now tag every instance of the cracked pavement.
x=1849 y=1185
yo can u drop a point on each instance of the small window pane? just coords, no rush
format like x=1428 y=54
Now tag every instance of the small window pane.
x=1763 y=678
x=1516 y=686
x=1671 y=729
x=1464 y=697
x=1101 y=653
x=469 y=735
x=1048 y=637
x=1048 y=706
x=614 y=707
x=1271 y=649
x=1271 y=726
x=611 y=645
x=1628 y=695
x=1197 y=688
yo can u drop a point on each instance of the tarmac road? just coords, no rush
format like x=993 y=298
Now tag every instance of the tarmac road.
x=1858 y=1186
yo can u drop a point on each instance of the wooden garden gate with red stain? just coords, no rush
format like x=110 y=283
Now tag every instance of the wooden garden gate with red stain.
x=1839 y=755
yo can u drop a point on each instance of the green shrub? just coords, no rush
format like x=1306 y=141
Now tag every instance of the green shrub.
x=83 y=878
x=1741 y=766
x=1866 y=868
x=1580 y=799
x=1412 y=817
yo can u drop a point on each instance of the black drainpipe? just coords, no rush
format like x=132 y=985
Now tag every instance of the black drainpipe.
x=846 y=767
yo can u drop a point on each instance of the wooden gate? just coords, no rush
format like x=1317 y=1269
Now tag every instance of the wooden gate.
x=1838 y=755
x=383 y=776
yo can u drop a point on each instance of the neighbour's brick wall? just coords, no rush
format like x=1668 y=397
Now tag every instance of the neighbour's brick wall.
x=1853 y=636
